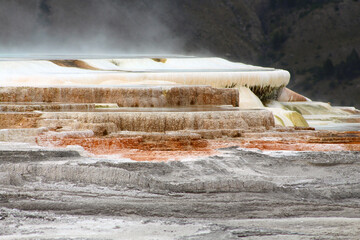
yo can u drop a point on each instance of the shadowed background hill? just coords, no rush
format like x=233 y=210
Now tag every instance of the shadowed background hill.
x=318 y=41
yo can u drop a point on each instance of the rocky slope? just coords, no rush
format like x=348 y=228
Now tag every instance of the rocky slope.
x=236 y=194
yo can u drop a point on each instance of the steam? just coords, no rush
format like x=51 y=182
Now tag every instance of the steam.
x=86 y=27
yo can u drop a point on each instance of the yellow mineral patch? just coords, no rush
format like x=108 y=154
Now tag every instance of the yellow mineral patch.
x=297 y=119
x=279 y=121
x=73 y=63
x=162 y=60
x=313 y=108
x=288 y=118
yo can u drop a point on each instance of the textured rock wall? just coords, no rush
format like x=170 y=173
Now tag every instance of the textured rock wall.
x=18 y=120
x=164 y=121
x=18 y=107
x=124 y=97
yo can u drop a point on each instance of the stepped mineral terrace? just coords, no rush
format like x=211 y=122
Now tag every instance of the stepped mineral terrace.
x=164 y=108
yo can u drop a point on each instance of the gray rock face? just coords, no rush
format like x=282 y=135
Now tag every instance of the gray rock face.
x=269 y=196
x=282 y=179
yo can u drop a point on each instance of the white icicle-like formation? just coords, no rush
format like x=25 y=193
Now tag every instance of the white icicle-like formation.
x=215 y=72
x=248 y=100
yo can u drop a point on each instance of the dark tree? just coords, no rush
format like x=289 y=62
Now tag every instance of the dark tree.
x=328 y=68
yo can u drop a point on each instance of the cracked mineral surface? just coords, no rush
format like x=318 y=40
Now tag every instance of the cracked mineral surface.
x=237 y=193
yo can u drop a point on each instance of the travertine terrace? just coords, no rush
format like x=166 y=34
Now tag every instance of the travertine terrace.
x=117 y=99
x=185 y=139
x=172 y=118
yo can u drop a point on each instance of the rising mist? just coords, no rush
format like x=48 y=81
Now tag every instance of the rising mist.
x=85 y=27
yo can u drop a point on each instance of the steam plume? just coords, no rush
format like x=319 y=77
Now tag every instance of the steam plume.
x=85 y=26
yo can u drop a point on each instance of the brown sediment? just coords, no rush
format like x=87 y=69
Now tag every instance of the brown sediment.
x=19 y=120
x=162 y=60
x=74 y=63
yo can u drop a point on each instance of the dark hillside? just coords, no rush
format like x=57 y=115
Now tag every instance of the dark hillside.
x=319 y=42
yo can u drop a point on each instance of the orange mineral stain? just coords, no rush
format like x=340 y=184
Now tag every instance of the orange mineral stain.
x=140 y=149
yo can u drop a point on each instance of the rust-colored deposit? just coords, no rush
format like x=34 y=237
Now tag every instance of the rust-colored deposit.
x=135 y=148
x=140 y=148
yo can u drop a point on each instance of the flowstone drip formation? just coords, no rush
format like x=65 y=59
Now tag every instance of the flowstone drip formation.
x=161 y=109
